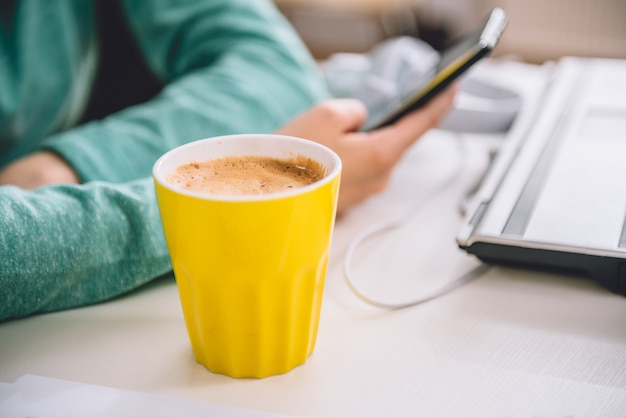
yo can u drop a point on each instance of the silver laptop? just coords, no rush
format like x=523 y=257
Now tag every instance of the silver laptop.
x=555 y=195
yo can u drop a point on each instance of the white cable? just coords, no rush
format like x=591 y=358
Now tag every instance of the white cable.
x=377 y=228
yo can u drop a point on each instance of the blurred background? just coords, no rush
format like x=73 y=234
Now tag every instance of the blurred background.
x=538 y=30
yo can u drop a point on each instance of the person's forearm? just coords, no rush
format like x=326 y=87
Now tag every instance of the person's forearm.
x=67 y=246
x=225 y=77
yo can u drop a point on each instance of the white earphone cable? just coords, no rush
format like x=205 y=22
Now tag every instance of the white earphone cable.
x=377 y=228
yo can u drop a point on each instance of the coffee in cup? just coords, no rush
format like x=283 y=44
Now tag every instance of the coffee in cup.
x=245 y=175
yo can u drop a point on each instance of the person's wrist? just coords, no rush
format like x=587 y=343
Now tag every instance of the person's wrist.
x=39 y=169
x=60 y=171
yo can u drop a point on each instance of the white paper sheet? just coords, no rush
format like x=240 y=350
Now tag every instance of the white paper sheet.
x=43 y=397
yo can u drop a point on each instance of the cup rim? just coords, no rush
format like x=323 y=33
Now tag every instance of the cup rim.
x=159 y=176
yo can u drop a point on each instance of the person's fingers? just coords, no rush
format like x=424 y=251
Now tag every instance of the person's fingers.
x=380 y=150
x=346 y=115
x=376 y=153
x=331 y=117
x=368 y=157
x=407 y=130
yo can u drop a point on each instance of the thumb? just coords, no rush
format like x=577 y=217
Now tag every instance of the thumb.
x=330 y=117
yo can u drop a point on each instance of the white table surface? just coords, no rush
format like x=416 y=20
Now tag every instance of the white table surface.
x=511 y=343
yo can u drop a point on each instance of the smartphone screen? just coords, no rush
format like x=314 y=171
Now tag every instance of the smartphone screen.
x=454 y=61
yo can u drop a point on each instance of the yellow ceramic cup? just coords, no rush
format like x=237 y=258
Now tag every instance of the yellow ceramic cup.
x=250 y=270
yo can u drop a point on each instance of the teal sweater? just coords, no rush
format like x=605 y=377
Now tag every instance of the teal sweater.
x=228 y=66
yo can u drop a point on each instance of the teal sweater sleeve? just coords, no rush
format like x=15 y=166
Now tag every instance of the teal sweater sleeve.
x=65 y=246
x=230 y=66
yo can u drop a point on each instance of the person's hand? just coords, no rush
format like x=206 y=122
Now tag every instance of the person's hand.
x=38 y=169
x=368 y=158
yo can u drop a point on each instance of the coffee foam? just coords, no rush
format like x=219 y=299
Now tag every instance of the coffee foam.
x=247 y=175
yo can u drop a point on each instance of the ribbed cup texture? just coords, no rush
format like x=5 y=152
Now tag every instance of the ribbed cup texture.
x=265 y=327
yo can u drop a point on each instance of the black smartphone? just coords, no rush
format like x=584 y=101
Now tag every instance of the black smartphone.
x=457 y=58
